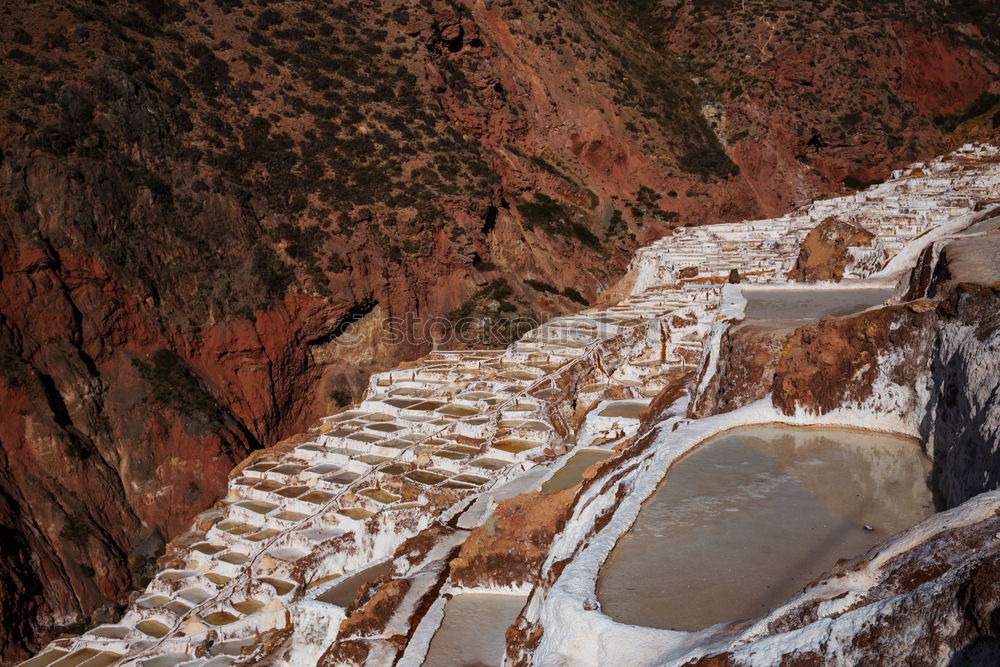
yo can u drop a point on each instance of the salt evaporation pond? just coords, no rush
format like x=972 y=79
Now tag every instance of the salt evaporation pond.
x=473 y=631
x=572 y=472
x=625 y=409
x=791 y=304
x=343 y=593
x=741 y=524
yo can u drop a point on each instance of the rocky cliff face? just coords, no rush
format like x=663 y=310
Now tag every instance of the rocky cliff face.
x=824 y=254
x=962 y=420
x=197 y=200
x=509 y=547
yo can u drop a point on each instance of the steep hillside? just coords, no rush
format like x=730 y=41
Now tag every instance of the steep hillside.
x=821 y=95
x=198 y=200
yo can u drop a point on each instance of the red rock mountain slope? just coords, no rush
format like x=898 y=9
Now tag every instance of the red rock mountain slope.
x=199 y=199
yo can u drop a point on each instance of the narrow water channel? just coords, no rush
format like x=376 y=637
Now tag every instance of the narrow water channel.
x=741 y=524
x=473 y=631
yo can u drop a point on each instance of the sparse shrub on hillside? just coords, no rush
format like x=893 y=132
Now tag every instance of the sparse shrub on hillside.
x=981 y=105
x=274 y=274
x=647 y=196
x=849 y=120
x=549 y=215
x=541 y=286
x=341 y=395
x=574 y=295
x=210 y=72
x=12 y=368
x=21 y=57
x=544 y=212
x=858 y=184
x=174 y=385
x=497 y=290
x=480 y=265
x=541 y=163
x=648 y=204
x=616 y=225
x=585 y=235
x=268 y=18
x=708 y=162
x=75 y=448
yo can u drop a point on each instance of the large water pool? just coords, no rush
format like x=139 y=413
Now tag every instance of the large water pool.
x=742 y=523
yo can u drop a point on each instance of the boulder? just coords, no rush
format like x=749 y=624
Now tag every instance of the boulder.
x=823 y=255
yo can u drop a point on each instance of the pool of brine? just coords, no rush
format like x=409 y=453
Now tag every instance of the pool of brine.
x=572 y=471
x=777 y=304
x=741 y=524
x=473 y=631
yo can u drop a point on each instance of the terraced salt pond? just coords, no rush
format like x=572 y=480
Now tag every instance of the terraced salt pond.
x=741 y=524
x=473 y=631
x=790 y=304
x=344 y=592
x=625 y=409
x=572 y=472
